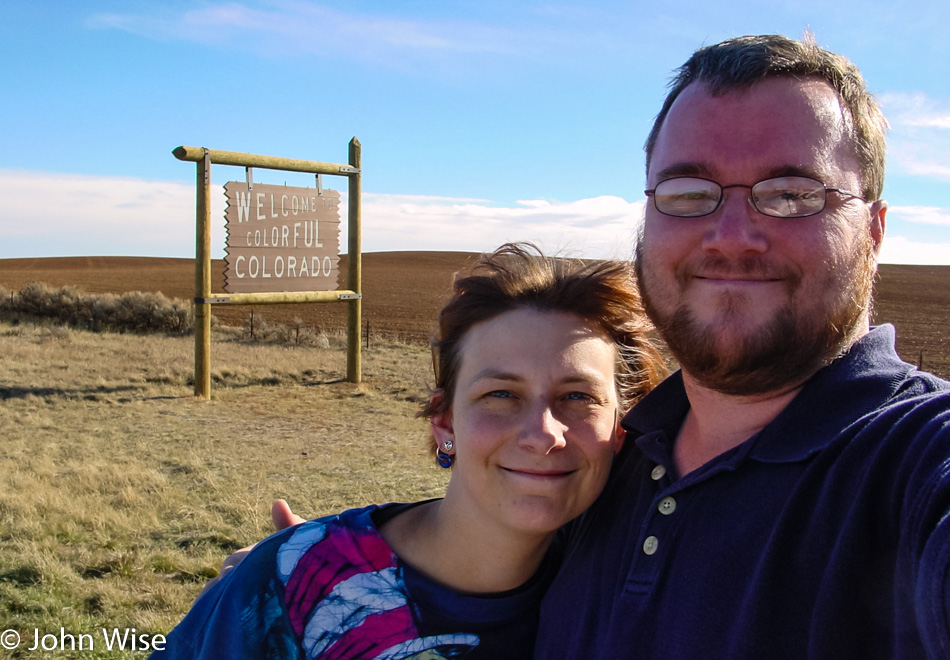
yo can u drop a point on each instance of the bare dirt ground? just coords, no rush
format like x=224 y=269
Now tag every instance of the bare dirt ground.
x=916 y=299
x=402 y=292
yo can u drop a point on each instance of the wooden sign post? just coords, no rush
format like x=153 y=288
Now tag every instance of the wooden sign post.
x=285 y=226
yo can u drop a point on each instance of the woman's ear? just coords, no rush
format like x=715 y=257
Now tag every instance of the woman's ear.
x=441 y=422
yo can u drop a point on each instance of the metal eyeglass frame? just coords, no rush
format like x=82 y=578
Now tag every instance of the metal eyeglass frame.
x=651 y=193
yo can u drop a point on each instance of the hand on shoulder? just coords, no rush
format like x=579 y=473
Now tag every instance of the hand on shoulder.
x=282 y=517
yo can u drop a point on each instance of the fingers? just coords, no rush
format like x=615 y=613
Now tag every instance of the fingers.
x=230 y=562
x=282 y=516
x=235 y=558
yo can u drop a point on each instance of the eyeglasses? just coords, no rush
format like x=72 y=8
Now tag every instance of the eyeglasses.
x=781 y=197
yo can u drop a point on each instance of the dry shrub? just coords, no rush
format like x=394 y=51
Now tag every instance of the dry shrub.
x=136 y=311
x=258 y=329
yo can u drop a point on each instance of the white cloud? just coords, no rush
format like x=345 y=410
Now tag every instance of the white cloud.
x=919 y=141
x=900 y=250
x=914 y=162
x=48 y=214
x=596 y=227
x=930 y=215
x=934 y=121
x=914 y=109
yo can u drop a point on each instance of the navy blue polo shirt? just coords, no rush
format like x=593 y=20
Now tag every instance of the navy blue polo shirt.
x=825 y=535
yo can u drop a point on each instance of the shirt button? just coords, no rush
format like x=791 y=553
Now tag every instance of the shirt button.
x=667 y=506
x=650 y=545
x=658 y=472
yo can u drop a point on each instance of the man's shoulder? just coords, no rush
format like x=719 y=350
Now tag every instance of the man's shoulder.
x=921 y=384
x=907 y=436
x=872 y=380
x=920 y=400
x=911 y=389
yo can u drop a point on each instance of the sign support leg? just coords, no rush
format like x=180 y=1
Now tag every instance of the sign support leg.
x=203 y=281
x=355 y=271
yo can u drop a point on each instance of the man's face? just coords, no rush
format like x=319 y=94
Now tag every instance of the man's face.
x=748 y=303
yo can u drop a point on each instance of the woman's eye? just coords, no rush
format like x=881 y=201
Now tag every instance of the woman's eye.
x=579 y=396
x=500 y=394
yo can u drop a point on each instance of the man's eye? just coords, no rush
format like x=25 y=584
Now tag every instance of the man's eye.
x=690 y=196
x=792 y=195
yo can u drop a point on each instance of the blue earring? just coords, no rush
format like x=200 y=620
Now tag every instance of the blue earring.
x=445 y=460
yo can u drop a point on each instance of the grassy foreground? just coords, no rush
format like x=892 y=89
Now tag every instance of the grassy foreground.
x=120 y=493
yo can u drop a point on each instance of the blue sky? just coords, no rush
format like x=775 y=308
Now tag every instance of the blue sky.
x=481 y=121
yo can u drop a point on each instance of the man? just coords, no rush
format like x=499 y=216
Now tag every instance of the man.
x=786 y=493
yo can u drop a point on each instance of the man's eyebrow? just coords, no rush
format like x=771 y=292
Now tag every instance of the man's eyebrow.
x=705 y=171
x=795 y=170
x=684 y=169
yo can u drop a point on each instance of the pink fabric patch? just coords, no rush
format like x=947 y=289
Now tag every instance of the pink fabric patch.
x=377 y=633
x=317 y=572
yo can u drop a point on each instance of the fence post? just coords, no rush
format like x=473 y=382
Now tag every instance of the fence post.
x=203 y=281
x=355 y=270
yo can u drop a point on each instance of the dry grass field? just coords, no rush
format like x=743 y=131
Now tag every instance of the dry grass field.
x=120 y=493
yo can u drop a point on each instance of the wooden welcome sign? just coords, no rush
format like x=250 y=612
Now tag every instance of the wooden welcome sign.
x=281 y=238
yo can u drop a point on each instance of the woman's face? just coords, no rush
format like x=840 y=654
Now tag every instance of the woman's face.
x=534 y=421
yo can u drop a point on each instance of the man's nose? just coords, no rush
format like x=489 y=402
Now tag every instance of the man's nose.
x=541 y=430
x=737 y=227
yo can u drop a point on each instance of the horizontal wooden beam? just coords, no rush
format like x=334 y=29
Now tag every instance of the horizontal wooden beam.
x=195 y=154
x=278 y=298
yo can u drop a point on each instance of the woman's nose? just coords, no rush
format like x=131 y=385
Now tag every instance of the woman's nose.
x=541 y=430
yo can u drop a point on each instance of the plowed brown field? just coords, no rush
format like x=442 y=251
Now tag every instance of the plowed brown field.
x=403 y=290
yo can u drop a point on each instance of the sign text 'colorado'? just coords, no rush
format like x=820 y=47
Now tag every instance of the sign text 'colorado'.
x=281 y=239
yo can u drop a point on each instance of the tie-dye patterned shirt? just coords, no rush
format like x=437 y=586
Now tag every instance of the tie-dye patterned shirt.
x=333 y=589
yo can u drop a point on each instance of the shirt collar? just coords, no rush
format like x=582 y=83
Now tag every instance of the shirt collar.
x=855 y=384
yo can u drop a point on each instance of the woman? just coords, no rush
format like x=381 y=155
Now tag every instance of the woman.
x=535 y=361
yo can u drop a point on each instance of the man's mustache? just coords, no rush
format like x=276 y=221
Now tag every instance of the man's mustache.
x=742 y=268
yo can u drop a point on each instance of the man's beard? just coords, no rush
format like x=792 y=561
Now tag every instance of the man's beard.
x=783 y=352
